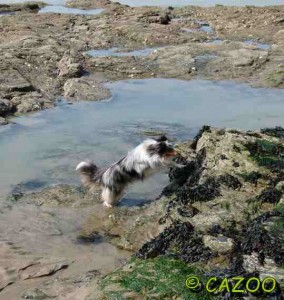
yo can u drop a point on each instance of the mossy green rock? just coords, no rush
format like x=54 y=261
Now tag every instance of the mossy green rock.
x=158 y=278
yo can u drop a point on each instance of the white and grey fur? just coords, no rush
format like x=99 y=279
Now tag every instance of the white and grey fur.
x=141 y=162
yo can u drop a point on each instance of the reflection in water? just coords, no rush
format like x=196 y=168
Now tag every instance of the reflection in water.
x=47 y=145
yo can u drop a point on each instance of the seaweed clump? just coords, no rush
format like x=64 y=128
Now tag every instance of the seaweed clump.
x=252 y=177
x=256 y=237
x=230 y=181
x=206 y=191
x=276 y=131
x=188 y=175
x=204 y=128
x=270 y=195
x=178 y=240
x=267 y=154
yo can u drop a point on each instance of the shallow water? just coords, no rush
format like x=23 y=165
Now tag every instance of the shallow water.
x=51 y=2
x=260 y=46
x=200 y=2
x=6 y=13
x=44 y=147
x=118 y=52
x=66 y=10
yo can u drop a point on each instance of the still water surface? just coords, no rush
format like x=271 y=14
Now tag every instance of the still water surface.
x=44 y=148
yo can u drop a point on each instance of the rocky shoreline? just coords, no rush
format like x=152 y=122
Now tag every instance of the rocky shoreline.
x=221 y=215
x=45 y=54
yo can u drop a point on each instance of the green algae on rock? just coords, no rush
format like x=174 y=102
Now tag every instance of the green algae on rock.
x=158 y=278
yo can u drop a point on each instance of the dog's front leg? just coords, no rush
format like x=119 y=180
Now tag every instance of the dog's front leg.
x=110 y=197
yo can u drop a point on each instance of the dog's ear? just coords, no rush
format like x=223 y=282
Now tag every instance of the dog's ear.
x=162 y=138
x=158 y=148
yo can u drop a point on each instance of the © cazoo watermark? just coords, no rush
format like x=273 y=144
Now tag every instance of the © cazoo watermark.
x=238 y=284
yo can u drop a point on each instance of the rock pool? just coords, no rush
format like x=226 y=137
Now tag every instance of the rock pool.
x=44 y=148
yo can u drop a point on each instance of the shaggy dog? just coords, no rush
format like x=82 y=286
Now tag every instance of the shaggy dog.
x=147 y=158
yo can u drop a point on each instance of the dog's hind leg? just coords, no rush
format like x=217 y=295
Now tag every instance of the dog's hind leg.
x=110 y=197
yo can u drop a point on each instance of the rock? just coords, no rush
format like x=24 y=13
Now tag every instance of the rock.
x=32 y=6
x=5 y=107
x=220 y=244
x=165 y=19
x=162 y=277
x=21 y=86
x=36 y=294
x=59 y=196
x=69 y=66
x=280 y=186
x=85 y=89
x=72 y=286
x=247 y=57
x=268 y=269
x=43 y=267
x=3 y=121
x=29 y=104
x=17 y=264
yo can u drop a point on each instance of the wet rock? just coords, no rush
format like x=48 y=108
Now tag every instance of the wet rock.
x=220 y=244
x=275 y=78
x=3 y=121
x=85 y=89
x=17 y=265
x=6 y=107
x=42 y=267
x=36 y=294
x=29 y=104
x=61 y=195
x=246 y=57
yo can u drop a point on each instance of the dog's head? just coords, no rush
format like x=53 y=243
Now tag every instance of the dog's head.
x=162 y=147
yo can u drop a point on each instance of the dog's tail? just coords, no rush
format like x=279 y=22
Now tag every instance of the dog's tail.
x=87 y=174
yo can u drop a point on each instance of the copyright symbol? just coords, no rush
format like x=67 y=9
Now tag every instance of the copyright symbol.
x=193 y=283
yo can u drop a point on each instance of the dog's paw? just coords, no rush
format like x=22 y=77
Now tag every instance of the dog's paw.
x=107 y=205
